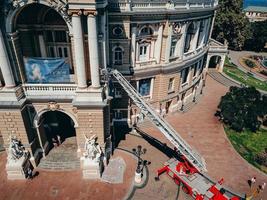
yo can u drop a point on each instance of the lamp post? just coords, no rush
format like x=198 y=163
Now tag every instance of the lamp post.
x=140 y=164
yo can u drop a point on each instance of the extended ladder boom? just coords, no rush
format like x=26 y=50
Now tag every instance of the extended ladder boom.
x=192 y=156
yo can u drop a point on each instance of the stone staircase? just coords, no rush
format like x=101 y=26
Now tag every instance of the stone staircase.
x=62 y=158
x=219 y=77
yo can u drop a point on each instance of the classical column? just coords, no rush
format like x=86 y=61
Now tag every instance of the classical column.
x=168 y=43
x=133 y=46
x=158 y=43
x=93 y=48
x=221 y=63
x=5 y=64
x=104 y=38
x=79 y=50
x=207 y=62
x=42 y=46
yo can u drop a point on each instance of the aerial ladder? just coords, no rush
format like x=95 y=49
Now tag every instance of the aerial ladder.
x=188 y=172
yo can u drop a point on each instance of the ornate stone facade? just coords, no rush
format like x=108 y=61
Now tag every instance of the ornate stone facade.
x=162 y=52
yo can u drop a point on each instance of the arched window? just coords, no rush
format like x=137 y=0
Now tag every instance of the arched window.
x=201 y=33
x=189 y=37
x=117 y=56
x=146 y=31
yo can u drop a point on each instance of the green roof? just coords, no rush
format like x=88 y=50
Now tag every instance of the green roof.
x=256 y=9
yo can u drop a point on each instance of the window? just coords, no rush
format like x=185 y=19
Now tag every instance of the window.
x=144 y=87
x=173 y=47
x=143 y=52
x=118 y=114
x=146 y=31
x=117 y=31
x=171 y=85
x=185 y=75
x=118 y=93
x=200 y=35
x=117 y=56
x=60 y=36
x=189 y=37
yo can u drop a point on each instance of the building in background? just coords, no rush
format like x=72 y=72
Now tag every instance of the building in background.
x=255 y=10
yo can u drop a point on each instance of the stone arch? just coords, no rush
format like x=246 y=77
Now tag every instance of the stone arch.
x=215 y=61
x=13 y=13
x=40 y=113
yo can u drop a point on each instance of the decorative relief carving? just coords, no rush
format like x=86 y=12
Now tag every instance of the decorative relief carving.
x=53 y=106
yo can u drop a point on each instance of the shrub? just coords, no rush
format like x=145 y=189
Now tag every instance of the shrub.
x=241 y=108
x=250 y=63
x=261 y=158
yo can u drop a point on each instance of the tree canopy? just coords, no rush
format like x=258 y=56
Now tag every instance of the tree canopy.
x=241 y=108
x=231 y=24
x=259 y=36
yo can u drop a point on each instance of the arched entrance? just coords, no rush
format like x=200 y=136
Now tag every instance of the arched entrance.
x=56 y=128
x=215 y=62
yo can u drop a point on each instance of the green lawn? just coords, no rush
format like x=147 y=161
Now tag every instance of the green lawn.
x=240 y=76
x=248 y=144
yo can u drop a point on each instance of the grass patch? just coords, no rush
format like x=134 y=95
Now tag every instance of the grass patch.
x=244 y=78
x=248 y=144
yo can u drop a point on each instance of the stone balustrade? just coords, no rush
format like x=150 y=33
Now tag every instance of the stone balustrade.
x=136 y=5
x=49 y=89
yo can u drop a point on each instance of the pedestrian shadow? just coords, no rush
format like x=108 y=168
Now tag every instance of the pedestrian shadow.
x=159 y=145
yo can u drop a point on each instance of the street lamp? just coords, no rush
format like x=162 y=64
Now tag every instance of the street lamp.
x=140 y=164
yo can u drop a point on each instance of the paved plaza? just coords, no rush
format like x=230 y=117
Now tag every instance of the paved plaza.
x=198 y=127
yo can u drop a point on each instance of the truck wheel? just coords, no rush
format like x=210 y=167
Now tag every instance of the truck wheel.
x=185 y=189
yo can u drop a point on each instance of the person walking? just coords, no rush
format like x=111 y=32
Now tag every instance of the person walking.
x=252 y=181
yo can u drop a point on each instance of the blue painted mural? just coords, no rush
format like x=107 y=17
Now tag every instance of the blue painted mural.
x=47 y=70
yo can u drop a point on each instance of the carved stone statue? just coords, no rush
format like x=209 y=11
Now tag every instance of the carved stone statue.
x=16 y=149
x=92 y=149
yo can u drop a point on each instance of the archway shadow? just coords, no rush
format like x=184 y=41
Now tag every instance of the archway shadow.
x=171 y=153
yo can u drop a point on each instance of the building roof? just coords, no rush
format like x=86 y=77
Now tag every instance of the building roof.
x=256 y=8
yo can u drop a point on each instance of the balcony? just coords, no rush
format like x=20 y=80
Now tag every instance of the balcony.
x=157 y=5
x=50 y=90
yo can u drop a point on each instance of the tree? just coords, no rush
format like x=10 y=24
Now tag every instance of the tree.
x=241 y=108
x=231 y=24
x=259 y=36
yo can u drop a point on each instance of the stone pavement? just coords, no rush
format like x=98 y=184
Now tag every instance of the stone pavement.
x=205 y=133
x=65 y=185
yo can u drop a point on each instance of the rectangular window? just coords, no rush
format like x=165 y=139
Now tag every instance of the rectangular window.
x=144 y=87
x=60 y=36
x=118 y=114
x=143 y=53
x=118 y=93
x=173 y=48
x=118 y=58
x=49 y=36
x=185 y=75
x=171 y=85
